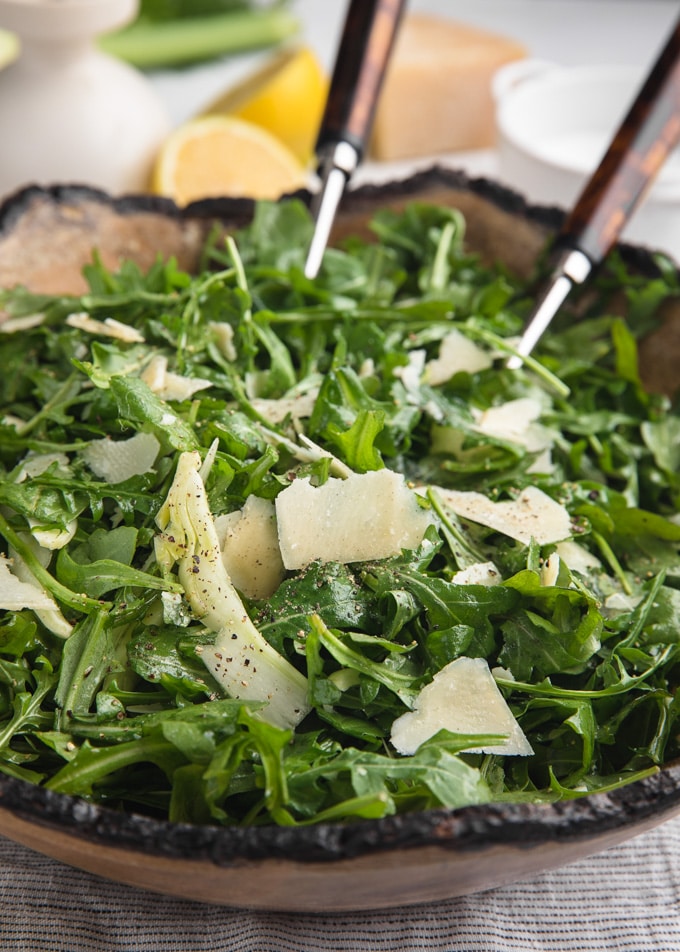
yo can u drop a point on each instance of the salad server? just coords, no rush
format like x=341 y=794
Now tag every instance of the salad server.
x=647 y=135
x=365 y=47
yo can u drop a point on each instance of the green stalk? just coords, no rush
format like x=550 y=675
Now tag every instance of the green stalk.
x=613 y=562
x=62 y=396
x=178 y=42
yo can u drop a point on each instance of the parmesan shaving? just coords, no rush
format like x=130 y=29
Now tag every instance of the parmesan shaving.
x=297 y=407
x=457 y=354
x=366 y=516
x=550 y=570
x=107 y=328
x=119 y=460
x=462 y=698
x=480 y=573
x=577 y=558
x=532 y=515
x=223 y=335
x=515 y=421
x=168 y=385
x=250 y=547
x=25 y=323
x=16 y=594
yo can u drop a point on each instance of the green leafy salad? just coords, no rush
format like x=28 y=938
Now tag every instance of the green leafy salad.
x=288 y=551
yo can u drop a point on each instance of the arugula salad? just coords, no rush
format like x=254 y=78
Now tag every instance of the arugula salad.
x=286 y=551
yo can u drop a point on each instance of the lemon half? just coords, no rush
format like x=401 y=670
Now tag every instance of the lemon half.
x=216 y=156
x=286 y=97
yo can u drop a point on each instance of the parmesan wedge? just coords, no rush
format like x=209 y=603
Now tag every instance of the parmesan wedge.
x=462 y=698
x=532 y=515
x=366 y=516
x=437 y=93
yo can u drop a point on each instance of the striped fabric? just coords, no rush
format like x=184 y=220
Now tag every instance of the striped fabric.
x=626 y=899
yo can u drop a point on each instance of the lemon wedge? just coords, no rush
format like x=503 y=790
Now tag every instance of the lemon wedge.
x=286 y=96
x=217 y=156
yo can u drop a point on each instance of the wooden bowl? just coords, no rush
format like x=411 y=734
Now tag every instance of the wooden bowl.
x=46 y=236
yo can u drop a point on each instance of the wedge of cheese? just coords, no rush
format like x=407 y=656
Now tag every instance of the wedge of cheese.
x=437 y=95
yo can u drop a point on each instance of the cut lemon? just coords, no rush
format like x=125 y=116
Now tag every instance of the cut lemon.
x=9 y=48
x=286 y=97
x=218 y=156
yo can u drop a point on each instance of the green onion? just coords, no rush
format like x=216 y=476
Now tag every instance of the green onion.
x=150 y=45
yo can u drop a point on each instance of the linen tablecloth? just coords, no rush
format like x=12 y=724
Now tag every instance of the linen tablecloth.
x=626 y=898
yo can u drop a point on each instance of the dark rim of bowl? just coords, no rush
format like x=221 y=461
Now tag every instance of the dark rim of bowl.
x=520 y=825
x=517 y=825
x=238 y=211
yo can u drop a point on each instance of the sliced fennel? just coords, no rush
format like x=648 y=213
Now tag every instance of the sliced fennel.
x=240 y=659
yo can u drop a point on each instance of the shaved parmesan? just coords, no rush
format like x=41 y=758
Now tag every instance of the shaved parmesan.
x=550 y=570
x=16 y=594
x=366 y=516
x=532 y=515
x=297 y=407
x=411 y=372
x=119 y=460
x=11 y=420
x=515 y=421
x=223 y=334
x=577 y=558
x=51 y=617
x=53 y=538
x=457 y=353
x=250 y=547
x=619 y=603
x=153 y=374
x=25 y=323
x=35 y=464
x=462 y=698
x=168 y=385
x=481 y=573
x=367 y=368
x=106 y=328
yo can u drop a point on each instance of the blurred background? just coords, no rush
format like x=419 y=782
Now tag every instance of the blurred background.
x=499 y=88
